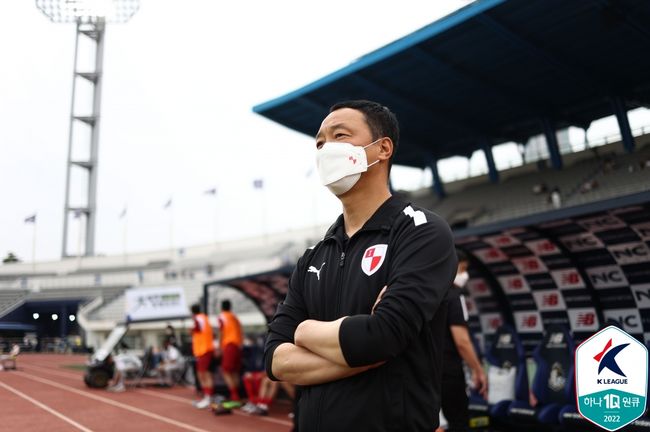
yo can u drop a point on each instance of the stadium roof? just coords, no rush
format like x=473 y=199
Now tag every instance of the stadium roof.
x=489 y=73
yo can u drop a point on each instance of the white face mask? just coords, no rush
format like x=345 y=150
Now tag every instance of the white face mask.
x=461 y=279
x=340 y=165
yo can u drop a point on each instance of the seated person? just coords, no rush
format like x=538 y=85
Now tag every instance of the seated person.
x=259 y=404
x=8 y=361
x=124 y=364
x=171 y=363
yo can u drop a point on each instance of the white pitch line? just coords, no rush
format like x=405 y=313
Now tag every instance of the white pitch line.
x=46 y=408
x=113 y=402
x=185 y=401
x=56 y=372
x=157 y=394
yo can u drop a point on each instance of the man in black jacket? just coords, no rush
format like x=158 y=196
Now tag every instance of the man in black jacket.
x=363 y=323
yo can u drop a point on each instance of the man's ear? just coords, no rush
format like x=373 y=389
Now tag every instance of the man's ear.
x=385 y=148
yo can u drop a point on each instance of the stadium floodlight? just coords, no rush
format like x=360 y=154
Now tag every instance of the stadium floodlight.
x=66 y=11
x=90 y=17
x=72 y=318
x=36 y=315
x=55 y=317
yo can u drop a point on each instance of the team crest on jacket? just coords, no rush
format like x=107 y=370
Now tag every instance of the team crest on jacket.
x=373 y=258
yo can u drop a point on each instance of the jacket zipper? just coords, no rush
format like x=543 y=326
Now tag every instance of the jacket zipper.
x=339 y=277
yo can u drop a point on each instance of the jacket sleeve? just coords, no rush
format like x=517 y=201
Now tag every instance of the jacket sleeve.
x=421 y=272
x=290 y=313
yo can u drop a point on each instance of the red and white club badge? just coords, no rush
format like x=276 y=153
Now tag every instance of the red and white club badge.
x=373 y=258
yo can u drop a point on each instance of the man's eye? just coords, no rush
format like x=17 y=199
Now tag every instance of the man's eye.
x=340 y=135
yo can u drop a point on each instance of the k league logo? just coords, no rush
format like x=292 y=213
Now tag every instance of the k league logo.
x=611 y=378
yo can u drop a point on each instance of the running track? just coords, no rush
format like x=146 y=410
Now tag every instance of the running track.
x=44 y=395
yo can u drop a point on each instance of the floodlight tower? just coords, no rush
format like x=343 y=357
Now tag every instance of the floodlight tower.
x=90 y=17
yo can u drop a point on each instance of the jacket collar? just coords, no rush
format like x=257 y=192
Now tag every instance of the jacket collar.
x=382 y=219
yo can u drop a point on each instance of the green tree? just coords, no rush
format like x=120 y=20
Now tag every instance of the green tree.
x=10 y=258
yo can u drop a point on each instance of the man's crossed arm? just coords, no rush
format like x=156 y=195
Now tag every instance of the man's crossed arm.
x=316 y=356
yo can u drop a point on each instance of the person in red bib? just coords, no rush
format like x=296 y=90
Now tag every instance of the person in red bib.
x=231 y=348
x=203 y=350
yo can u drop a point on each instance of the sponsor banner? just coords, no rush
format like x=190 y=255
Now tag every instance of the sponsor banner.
x=478 y=288
x=504 y=268
x=616 y=298
x=563 y=226
x=602 y=222
x=628 y=319
x=594 y=258
x=611 y=378
x=641 y=295
x=516 y=251
x=549 y=300
x=519 y=302
x=568 y=279
x=607 y=277
x=529 y=265
x=583 y=319
x=502 y=240
x=637 y=273
x=540 y=281
x=513 y=284
x=581 y=242
x=630 y=253
x=490 y=322
x=528 y=322
x=467 y=240
x=623 y=235
x=542 y=247
x=490 y=255
x=557 y=262
x=645 y=319
x=578 y=298
x=643 y=230
x=555 y=318
x=525 y=236
x=471 y=306
x=155 y=303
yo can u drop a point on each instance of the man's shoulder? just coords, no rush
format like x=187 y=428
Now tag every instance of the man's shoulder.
x=309 y=252
x=415 y=216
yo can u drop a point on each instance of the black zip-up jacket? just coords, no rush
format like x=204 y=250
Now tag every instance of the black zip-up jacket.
x=411 y=251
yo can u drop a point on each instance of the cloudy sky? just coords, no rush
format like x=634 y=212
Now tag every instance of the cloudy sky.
x=179 y=84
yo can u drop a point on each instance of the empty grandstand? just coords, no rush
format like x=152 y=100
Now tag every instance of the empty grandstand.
x=87 y=295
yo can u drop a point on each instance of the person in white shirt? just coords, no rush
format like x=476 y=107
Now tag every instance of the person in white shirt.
x=171 y=364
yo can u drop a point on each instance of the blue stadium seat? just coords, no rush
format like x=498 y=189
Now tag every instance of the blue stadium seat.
x=507 y=352
x=554 y=362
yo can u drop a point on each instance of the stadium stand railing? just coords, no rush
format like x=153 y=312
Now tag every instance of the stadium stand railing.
x=607 y=170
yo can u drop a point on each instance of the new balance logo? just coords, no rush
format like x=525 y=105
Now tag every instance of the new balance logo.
x=313 y=269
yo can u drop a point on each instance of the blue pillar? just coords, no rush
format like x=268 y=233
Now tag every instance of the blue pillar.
x=493 y=173
x=551 y=142
x=623 y=123
x=63 y=321
x=438 y=187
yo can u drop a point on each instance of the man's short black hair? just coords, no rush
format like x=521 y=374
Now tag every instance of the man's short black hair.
x=226 y=305
x=462 y=256
x=381 y=120
x=195 y=308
